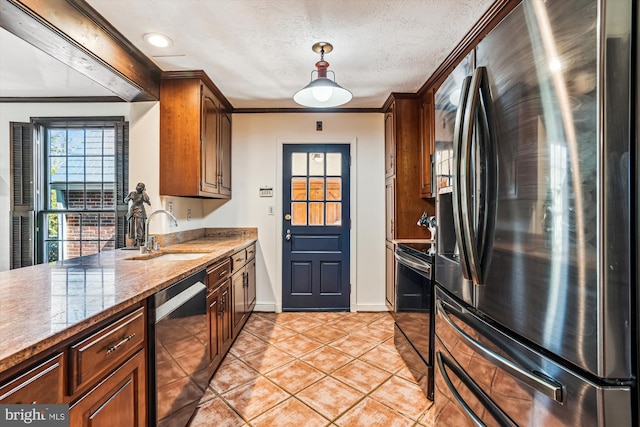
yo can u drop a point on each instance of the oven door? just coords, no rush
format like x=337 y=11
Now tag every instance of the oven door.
x=413 y=334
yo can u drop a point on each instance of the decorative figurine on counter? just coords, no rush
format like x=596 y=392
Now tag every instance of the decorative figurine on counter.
x=429 y=222
x=136 y=216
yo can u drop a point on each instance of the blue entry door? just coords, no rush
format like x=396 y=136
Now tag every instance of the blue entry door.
x=315 y=226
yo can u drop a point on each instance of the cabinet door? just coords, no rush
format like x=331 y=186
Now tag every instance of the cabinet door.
x=390 y=200
x=119 y=400
x=389 y=144
x=250 y=289
x=225 y=154
x=42 y=384
x=209 y=179
x=390 y=280
x=427 y=146
x=215 y=313
x=226 y=328
x=238 y=300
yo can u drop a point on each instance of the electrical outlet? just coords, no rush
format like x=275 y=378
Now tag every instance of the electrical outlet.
x=170 y=207
x=188 y=214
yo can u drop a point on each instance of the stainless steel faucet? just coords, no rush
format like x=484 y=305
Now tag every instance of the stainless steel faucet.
x=150 y=243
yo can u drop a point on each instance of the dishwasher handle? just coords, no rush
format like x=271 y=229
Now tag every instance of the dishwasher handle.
x=175 y=302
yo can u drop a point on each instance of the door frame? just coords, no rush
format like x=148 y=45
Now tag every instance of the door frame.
x=353 y=145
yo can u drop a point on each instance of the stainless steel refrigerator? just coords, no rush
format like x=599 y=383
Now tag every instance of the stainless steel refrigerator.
x=536 y=270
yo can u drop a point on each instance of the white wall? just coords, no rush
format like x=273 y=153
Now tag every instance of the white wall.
x=144 y=128
x=256 y=162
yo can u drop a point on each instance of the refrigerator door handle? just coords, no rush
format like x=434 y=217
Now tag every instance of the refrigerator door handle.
x=540 y=382
x=484 y=399
x=486 y=214
x=457 y=183
x=468 y=211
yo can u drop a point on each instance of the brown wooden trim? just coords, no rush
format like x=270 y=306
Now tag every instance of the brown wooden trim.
x=482 y=27
x=199 y=74
x=306 y=110
x=74 y=33
x=59 y=99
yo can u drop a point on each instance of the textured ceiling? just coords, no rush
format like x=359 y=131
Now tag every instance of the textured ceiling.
x=258 y=52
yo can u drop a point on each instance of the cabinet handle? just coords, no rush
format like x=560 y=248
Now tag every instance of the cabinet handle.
x=391 y=226
x=391 y=160
x=223 y=302
x=238 y=259
x=222 y=273
x=124 y=340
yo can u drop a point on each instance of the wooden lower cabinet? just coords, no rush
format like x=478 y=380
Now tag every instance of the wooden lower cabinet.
x=238 y=305
x=243 y=288
x=219 y=311
x=44 y=383
x=98 y=354
x=250 y=293
x=119 y=400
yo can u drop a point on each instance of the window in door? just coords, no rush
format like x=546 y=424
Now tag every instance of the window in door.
x=316 y=189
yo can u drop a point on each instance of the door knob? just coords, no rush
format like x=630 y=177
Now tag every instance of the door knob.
x=287 y=217
x=288 y=235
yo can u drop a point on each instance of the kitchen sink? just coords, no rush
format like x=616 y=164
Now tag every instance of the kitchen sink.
x=168 y=256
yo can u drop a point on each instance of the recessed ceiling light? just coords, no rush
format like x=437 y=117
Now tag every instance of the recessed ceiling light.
x=157 y=40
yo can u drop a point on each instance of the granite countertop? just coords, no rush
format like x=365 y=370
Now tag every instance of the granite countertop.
x=43 y=305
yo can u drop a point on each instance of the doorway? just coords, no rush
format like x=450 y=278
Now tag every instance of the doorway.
x=316 y=227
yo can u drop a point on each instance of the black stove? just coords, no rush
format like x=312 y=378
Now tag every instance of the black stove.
x=413 y=310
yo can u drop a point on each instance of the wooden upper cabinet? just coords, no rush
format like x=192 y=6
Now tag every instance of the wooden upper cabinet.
x=389 y=144
x=427 y=146
x=403 y=153
x=210 y=175
x=225 y=153
x=195 y=140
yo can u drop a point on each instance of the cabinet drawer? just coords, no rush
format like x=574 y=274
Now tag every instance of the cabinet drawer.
x=217 y=274
x=44 y=383
x=238 y=260
x=102 y=351
x=251 y=252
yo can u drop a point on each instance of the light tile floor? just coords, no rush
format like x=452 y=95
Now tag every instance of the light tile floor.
x=313 y=369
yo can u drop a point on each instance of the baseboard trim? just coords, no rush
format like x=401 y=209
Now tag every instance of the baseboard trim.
x=272 y=308
x=371 y=307
x=267 y=308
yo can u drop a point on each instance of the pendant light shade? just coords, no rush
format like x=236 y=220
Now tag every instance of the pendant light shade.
x=322 y=92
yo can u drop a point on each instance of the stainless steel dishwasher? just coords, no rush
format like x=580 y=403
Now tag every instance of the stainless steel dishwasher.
x=178 y=372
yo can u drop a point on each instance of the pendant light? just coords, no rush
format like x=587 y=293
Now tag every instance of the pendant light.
x=322 y=92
